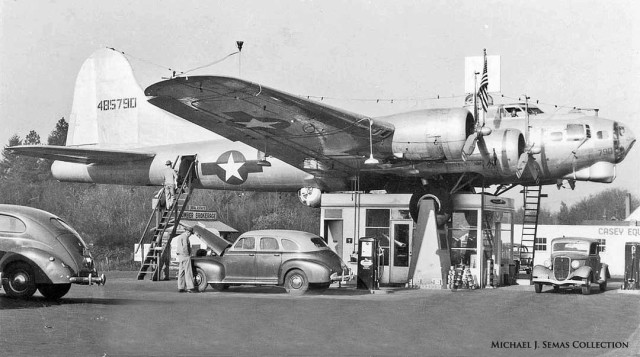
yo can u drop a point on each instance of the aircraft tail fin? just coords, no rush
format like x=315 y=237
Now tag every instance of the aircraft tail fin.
x=110 y=109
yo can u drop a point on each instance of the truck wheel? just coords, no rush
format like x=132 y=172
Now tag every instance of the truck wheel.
x=296 y=282
x=54 y=291
x=219 y=286
x=18 y=280
x=200 y=280
x=603 y=286
x=538 y=287
x=586 y=289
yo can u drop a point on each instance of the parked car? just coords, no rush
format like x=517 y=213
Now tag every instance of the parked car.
x=294 y=260
x=39 y=251
x=574 y=262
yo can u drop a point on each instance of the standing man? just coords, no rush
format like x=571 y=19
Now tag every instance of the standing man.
x=185 y=273
x=170 y=182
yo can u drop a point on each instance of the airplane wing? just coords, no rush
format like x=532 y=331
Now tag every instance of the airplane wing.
x=79 y=154
x=304 y=133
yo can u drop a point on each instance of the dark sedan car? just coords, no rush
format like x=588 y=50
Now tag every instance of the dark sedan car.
x=293 y=259
x=39 y=251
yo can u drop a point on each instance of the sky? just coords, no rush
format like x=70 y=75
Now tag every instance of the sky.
x=565 y=53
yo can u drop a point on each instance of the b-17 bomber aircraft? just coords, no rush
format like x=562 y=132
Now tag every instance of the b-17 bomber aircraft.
x=245 y=136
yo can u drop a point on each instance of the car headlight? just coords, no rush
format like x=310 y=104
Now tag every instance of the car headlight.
x=575 y=264
x=87 y=262
x=547 y=263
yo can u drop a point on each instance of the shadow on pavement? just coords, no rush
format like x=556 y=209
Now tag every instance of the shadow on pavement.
x=36 y=302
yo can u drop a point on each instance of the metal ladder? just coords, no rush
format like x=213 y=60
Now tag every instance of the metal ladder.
x=169 y=217
x=531 y=207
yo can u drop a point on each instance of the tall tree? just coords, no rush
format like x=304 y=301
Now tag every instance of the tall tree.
x=59 y=135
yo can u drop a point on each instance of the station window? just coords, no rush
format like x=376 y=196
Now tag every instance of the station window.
x=11 y=224
x=377 y=226
x=602 y=134
x=540 y=244
x=602 y=245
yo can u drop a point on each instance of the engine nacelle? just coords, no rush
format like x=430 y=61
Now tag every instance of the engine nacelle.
x=432 y=134
x=310 y=196
x=503 y=148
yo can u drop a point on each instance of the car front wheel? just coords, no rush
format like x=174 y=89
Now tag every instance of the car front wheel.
x=18 y=280
x=296 y=282
x=603 y=286
x=54 y=291
x=586 y=288
x=200 y=280
x=538 y=287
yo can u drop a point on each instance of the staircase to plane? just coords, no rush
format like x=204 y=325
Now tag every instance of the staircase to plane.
x=167 y=219
x=526 y=253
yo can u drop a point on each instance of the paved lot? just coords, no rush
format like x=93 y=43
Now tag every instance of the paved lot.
x=143 y=318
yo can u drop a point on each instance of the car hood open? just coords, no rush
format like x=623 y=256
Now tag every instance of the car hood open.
x=216 y=243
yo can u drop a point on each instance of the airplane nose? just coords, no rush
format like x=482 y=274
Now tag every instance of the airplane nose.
x=626 y=139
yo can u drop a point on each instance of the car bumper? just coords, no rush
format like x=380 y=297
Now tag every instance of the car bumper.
x=89 y=280
x=559 y=282
x=344 y=277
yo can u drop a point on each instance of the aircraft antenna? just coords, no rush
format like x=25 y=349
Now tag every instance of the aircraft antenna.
x=526 y=121
x=239 y=44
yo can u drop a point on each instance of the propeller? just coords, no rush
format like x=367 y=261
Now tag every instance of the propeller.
x=524 y=162
x=476 y=139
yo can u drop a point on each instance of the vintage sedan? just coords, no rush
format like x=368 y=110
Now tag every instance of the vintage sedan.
x=39 y=251
x=574 y=262
x=294 y=260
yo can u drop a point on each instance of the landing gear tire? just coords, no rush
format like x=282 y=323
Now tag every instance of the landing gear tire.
x=443 y=203
x=54 y=291
x=18 y=280
x=538 y=288
x=296 y=282
x=556 y=288
x=200 y=280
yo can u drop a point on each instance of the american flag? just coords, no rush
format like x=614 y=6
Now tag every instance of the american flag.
x=484 y=83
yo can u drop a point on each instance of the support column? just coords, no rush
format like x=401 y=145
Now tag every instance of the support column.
x=430 y=258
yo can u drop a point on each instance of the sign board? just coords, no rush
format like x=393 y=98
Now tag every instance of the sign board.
x=474 y=65
x=196 y=208
x=200 y=215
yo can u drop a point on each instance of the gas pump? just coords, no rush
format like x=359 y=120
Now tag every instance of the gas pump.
x=632 y=266
x=368 y=264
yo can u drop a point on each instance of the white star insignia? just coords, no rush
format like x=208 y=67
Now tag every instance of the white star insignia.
x=231 y=169
x=254 y=123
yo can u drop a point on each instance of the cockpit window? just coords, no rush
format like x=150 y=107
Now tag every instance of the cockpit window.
x=619 y=129
x=575 y=132
x=535 y=111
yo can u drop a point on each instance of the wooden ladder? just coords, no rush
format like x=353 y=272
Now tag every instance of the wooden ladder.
x=531 y=207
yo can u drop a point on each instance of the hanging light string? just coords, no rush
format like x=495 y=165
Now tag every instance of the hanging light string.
x=440 y=97
x=376 y=100
x=174 y=72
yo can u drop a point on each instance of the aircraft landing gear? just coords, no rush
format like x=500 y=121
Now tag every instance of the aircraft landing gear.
x=442 y=199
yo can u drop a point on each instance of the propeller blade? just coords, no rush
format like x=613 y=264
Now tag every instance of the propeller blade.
x=469 y=146
x=522 y=164
x=533 y=170
x=484 y=152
